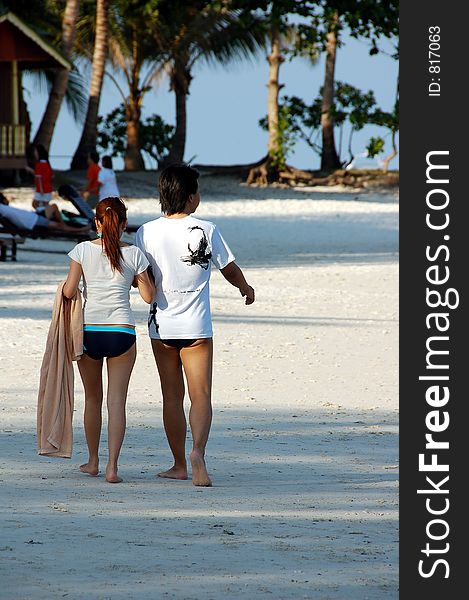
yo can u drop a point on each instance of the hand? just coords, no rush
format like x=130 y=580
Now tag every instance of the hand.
x=248 y=293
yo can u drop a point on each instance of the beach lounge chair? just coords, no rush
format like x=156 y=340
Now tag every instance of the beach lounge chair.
x=9 y=242
x=69 y=192
x=7 y=227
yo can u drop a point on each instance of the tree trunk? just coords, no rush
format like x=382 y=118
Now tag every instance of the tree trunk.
x=389 y=158
x=329 y=157
x=180 y=82
x=275 y=60
x=178 y=143
x=133 y=160
x=90 y=128
x=59 y=86
x=268 y=170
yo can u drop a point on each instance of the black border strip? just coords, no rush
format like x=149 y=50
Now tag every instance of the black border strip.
x=433 y=351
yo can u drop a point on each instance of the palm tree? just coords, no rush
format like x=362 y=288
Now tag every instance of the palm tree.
x=133 y=53
x=59 y=87
x=89 y=134
x=267 y=170
x=283 y=37
x=329 y=158
x=275 y=59
x=366 y=19
x=191 y=31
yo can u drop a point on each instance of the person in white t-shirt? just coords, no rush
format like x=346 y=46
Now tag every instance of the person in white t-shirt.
x=181 y=250
x=109 y=268
x=107 y=180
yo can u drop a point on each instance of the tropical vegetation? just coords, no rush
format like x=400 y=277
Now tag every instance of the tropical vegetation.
x=137 y=45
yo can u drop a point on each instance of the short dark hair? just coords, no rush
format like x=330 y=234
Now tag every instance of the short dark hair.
x=107 y=162
x=94 y=156
x=42 y=152
x=177 y=182
x=3 y=199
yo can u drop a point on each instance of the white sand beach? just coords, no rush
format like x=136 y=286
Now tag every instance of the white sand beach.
x=304 y=446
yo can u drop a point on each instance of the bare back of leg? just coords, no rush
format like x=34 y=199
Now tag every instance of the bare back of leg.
x=119 y=370
x=91 y=376
x=197 y=362
x=169 y=367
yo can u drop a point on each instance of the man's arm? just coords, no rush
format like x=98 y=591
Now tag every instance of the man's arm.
x=233 y=274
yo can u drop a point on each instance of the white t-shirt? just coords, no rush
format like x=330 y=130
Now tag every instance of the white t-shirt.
x=181 y=252
x=106 y=292
x=108 y=187
x=25 y=219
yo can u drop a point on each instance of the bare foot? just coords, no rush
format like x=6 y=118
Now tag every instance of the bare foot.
x=90 y=468
x=111 y=476
x=199 y=470
x=174 y=473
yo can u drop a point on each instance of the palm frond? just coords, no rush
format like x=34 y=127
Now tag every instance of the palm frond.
x=76 y=96
x=212 y=34
x=40 y=79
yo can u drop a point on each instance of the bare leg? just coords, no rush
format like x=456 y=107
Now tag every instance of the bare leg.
x=197 y=362
x=91 y=375
x=52 y=213
x=172 y=387
x=61 y=226
x=119 y=370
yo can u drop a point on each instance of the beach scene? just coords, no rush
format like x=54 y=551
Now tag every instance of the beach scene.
x=303 y=447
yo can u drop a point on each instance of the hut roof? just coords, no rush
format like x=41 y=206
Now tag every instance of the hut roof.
x=23 y=44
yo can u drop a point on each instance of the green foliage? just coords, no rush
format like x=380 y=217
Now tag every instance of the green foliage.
x=375 y=146
x=44 y=17
x=286 y=138
x=369 y=19
x=352 y=104
x=155 y=135
x=389 y=120
x=303 y=121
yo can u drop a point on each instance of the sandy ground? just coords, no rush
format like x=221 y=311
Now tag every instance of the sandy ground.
x=304 y=445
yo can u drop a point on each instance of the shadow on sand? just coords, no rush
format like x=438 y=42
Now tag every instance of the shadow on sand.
x=304 y=506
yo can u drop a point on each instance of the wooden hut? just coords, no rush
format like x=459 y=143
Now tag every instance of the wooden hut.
x=21 y=48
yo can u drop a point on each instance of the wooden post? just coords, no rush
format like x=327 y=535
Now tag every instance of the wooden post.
x=15 y=111
x=15 y=108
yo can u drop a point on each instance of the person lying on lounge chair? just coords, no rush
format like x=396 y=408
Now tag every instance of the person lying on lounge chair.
x=27 y=219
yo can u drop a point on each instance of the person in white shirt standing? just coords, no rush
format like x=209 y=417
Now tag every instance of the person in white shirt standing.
x=107 y=180
x=181 y=250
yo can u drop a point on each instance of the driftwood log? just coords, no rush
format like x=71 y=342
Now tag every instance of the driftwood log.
x=261 y=173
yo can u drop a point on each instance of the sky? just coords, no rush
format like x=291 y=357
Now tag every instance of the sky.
x=226 y=103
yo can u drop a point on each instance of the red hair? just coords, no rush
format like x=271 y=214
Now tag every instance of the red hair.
x=111 y=213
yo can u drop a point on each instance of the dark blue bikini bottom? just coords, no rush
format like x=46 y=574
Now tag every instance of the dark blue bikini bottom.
x=107 y=341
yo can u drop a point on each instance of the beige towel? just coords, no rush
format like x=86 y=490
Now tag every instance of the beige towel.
x=55 y=398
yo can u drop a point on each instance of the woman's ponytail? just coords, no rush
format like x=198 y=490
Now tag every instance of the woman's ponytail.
x=111 y=213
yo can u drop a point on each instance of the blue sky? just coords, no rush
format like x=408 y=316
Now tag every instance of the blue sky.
x=226 y=103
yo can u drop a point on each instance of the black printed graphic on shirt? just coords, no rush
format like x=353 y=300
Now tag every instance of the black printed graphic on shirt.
x=201 y=255
x=152 y=316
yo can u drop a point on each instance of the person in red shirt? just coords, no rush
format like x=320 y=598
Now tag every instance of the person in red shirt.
x=43 y=175
x=91 y=190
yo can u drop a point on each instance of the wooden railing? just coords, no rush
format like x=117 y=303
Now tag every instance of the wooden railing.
x=12 y=140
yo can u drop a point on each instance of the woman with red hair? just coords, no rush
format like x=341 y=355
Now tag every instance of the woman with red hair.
x=108 y=268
